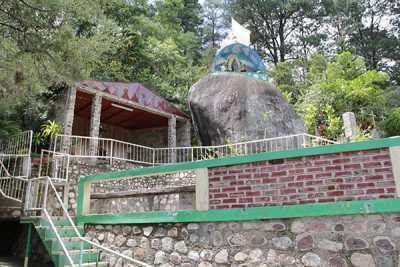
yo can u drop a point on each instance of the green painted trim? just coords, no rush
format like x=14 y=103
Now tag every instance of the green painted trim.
x=28 y=241
x=259 y=213
x=302 y=152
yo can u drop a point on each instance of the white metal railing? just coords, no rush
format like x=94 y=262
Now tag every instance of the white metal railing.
x=43 y=199
x=109 y=149
x=15 y=153
x=15 y=164
x=19 y=144
x=54 y=165
x=11 y=187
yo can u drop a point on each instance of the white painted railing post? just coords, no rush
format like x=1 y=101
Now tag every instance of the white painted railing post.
x=111 y=152
x=201 y=197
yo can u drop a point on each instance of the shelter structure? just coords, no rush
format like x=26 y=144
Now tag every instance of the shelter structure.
x=124 y=111
x=240 y=58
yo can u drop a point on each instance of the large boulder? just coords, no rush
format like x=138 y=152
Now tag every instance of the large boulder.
x=237 y=107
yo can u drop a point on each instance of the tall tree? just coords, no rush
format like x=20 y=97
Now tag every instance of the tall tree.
x=215 y=22
x=274 y=24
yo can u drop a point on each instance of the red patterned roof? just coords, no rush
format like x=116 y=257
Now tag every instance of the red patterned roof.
x=135 y=92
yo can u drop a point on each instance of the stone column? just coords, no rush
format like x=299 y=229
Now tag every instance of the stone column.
x=95 y=123
x=183 y=133
x=350 y=125
x=172 y=138
x=69 y=114
x=68 y=119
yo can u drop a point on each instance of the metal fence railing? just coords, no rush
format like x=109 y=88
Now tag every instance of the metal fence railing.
x=44 y=200
x=15 y=165
x=109 y=149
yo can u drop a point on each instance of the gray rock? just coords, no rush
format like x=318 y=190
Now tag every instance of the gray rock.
x=175 y=258
x=155 y=243
x=166 y=244
x=193 y=238
x=286 y=260
x=327 y=244
x=160 y=257
x=236 y=239
x=173 y=232
x=206 y=254
x=256 y=255
x=240 y=256
x=194 y=255
x=181 y=247
x=217 y=239
x=126 y=230
x=136 y=230
x=131 y=243
x=160 y=232
x=297 y=227
x=222 y=257
x=100 y=237
x=147 y=230
x=205 y=264
x=362 y=260
x=228 y=105
x=282 y=242
x=144 y=243
x=311 y=259
x=193 y=226
x=120 y=240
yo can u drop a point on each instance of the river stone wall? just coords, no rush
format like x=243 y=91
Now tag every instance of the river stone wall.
x=164 y=202
x=349 y=240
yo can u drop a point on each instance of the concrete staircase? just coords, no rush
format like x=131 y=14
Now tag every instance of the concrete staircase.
x=89 y=256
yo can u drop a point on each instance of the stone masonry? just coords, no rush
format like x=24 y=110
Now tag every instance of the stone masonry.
x=335 y=177
x=332 y=241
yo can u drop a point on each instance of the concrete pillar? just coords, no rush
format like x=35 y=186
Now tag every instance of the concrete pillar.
x=202 y=195
x=394 y=158
x=350 y=125
x=95 y=123
x=69 y=114
x=172 y=139
x=183 y=133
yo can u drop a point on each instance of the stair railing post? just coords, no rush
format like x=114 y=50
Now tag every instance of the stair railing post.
x=46 y=189
x=80 y=253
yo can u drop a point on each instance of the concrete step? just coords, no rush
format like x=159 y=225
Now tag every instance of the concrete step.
x=88 y=256
x=90 y=264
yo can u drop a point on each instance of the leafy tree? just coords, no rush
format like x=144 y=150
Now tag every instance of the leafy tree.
x=344 y=84
x=214 y=22
x=274 y=25
x=392 y=125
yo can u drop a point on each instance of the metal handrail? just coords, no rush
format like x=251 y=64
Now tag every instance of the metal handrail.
x=79 y=235
x=58 y=237
x=9 y=176
x=153 y=158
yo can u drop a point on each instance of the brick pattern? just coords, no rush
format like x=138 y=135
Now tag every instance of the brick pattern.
x=314 y=179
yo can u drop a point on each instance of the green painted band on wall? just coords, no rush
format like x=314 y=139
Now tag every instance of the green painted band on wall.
x=302 y=152
x=259 y=213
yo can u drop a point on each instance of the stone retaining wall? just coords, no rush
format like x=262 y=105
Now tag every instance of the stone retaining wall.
x=313 y=179
x=350 y=240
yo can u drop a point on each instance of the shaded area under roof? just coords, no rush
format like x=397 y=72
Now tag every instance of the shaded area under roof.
x=135 y=92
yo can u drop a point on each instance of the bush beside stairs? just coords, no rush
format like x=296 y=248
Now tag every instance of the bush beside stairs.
x=71 y=241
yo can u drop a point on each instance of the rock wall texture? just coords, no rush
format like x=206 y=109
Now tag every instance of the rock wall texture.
x=335 y=177
x=163 y=202
x=351 y=240
x=228 y=105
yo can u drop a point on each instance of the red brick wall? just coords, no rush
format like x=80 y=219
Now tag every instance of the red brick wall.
x=314 y=179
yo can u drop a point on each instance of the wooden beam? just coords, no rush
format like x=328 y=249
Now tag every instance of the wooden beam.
x=144 y=192
x=113 y=115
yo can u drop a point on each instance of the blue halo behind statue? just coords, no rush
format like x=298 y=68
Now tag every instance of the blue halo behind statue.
x=238 y=57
